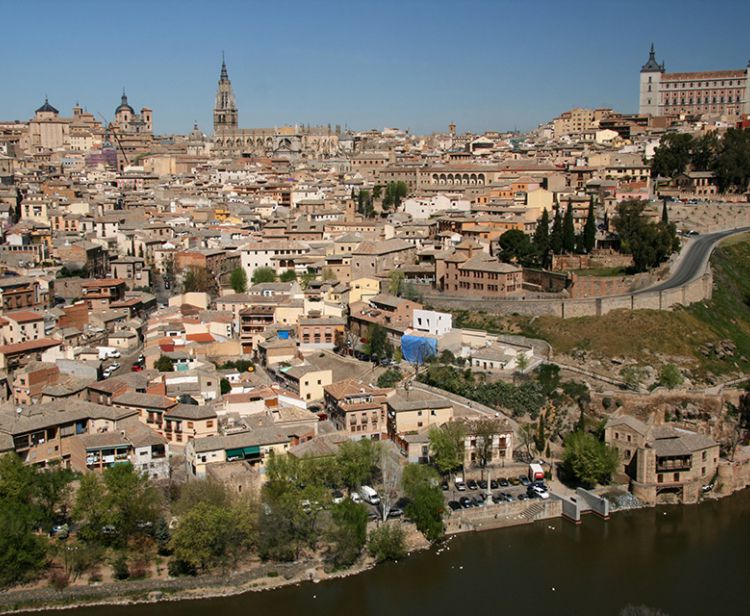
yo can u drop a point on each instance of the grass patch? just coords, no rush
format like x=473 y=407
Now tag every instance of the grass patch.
x=642 y=333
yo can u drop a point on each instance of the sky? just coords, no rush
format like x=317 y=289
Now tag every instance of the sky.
x=412 y=64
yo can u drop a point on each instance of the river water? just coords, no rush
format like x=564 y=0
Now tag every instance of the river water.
x=681 y=560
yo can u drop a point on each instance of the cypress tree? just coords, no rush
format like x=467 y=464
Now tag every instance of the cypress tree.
x=541 y=239
x=589 y=230
x=569 y=232
x=556 y=236
x=664 y=213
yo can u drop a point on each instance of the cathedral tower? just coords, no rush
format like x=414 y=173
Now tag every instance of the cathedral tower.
x=225 y=109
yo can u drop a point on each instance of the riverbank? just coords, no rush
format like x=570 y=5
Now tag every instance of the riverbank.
x=687 y=549
x=253 y=577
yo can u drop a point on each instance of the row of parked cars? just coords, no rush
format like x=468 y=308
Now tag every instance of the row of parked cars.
x=534 y=490
x=494 y=484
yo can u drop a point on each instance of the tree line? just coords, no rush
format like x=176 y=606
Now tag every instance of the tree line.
x=515 y=246
x=727 y=157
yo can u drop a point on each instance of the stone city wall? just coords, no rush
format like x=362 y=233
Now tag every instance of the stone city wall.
x=696 y=290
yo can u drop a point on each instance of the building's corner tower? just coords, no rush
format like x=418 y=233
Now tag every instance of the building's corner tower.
x=651 y=73
x=225 y=109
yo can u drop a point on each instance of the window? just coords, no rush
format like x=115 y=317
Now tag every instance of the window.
x=704 y=455
x=660 y=478
x=190 y=424
x=675 y=476
x=210 y=423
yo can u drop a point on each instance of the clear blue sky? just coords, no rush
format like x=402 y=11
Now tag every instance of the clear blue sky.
x=406 y=63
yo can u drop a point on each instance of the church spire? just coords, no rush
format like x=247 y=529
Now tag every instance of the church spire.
x=652 y=66
x=225 y=108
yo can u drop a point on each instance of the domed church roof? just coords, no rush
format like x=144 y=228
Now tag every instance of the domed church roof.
x=47 y=107
x=124 y=104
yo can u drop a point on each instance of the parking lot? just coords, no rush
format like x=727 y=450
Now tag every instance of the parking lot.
x=503 y=488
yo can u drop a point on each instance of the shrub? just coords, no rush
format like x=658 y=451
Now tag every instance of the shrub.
x=177 y=567
x=387 y=542
x=120 y=568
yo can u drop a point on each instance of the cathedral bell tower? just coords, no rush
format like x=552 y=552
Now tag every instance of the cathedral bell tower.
x=225 y=109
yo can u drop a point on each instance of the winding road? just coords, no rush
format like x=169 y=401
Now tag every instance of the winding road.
x=693 y=262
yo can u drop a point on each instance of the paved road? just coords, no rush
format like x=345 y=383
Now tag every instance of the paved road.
x=692 y=263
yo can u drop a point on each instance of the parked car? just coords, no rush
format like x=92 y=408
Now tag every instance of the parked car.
x=355 y=497
x=369 y=495
x=454 y=505
x=475 y=502
x=459 y=483
x=525 y=481
x=538 y=492
x=493 y=484
x=465 y=502
x=513 y=481
x=482 y=483
x=503 y=482
x=498 y=498
x=395 y=512
x=107 y=372
x=445 y=486
x=471 y=484
x=136 y=368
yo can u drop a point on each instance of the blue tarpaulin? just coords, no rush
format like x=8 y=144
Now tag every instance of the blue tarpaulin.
x=416 y=349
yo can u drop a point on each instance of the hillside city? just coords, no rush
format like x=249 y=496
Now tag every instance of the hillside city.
x=238 y=348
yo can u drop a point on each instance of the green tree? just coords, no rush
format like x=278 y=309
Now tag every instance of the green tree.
x=664 y=213
x=588 y=460
x=556 y=235
x=51 y=491
x=633 y=376
x=648 y=242
x=548 y=376
x=732 y=162
x=589 y=230
x=288 y=276
x=123 y=500
x=426 y=504
x=263 y=274
x=225 y=386
x=390 y=378
x=387 y=542
x=164 y=364
x=568 y=231
x=348 y=532
x=447 y=446
x=357 y=462
x=672 y=156
x=377 y=340
x=704 y=152
x=670 y=376
x=541 y=240
x=514 y=246
x=210 y=535
x=238 y=280
x=395 y=282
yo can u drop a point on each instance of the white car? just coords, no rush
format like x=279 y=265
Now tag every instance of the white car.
x=459 y=483
x=355 y=497
x=544 y=494
x=107 y=373
x=115 y=366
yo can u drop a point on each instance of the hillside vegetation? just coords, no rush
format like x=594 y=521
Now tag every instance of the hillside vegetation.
x=652 y=336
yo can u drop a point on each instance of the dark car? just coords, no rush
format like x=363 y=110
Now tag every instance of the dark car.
x=481 y=498
x=524 y=480
x=445 y=486
x=475 y=502
x=532 y=493
x=454 y=505
x=493 y=484
x=471 y=484
x=498 y=498
x=482 y=483
x=465 y=502
x=503 y=482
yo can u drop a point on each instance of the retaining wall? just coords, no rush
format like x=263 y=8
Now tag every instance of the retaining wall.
x=696 y=290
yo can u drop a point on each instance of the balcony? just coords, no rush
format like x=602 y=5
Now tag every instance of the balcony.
x=666 y=465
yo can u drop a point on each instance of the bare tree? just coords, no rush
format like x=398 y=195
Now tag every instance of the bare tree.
x=391 y=469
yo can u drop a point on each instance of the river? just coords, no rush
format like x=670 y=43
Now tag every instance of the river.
x=681 y=560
